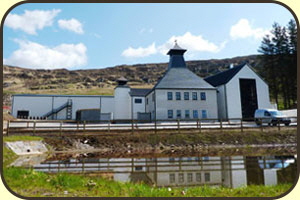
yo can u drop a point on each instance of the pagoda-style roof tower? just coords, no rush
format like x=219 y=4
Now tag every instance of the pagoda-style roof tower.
x=178 y=76
x=176 y=57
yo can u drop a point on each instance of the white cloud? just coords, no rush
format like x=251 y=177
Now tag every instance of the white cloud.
x=140 y=51
x=31 y=21
x=34 y=55
x=144 y=30
x=193 y=43
x=243 y=29
x=71 y=25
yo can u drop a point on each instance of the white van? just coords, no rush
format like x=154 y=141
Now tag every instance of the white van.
x=270 y=116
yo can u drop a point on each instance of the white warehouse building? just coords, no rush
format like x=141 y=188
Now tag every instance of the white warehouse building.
x=179 y=94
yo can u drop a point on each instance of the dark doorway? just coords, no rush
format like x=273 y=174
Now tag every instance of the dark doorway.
x=23 y=114
x=248 y=97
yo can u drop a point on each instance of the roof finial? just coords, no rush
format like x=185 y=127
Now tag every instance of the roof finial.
x=175 y=41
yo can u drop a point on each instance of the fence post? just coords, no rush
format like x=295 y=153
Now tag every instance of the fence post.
x=261 y=125
x=77 y=125
x=178 y=125
x=242 y=130
x=221 y=125
x=132 y=126
x=7 y=127
x=34 y=125
x=199 y=125
x=155 y=126
x=84 y=123
x=278 y=125
x=27 y=124
x=60 y=128
x=109 y=126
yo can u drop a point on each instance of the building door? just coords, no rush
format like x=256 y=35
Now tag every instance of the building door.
x=248 y=97
x=23 y=114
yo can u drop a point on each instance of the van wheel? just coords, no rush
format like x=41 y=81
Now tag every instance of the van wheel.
x=258 y=123
x=287 y=124
x=274 y=124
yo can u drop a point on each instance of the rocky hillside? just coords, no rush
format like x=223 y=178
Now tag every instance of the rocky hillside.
x=102 y=81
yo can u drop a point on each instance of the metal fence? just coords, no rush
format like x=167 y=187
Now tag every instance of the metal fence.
x=71 y=126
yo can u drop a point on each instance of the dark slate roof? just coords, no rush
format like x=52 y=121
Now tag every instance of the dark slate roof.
x=139 y=92
x=181 y=78
x=225 y=76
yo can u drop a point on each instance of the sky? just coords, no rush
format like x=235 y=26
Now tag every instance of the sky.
x=87 y=36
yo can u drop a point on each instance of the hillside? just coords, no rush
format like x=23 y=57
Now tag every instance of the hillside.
x=102 y=81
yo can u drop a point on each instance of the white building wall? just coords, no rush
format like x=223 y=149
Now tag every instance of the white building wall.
x=138 y=107
x=163 y=104
x=122 y=106
x=78 y=103
x=40 y=105
x=233 y=92
x=107 y=104
x=37 y=106
x=151 y=104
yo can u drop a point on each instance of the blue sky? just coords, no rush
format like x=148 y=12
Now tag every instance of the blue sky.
x=84 y=36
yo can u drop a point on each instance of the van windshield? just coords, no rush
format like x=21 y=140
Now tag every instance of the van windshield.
x=276 y=113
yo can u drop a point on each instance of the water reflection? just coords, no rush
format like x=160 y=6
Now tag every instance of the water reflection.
x=229 y=171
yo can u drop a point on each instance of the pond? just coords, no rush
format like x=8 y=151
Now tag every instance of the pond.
x=228 y=171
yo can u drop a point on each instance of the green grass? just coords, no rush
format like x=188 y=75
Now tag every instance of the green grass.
x=14 y=138
x=31 y=183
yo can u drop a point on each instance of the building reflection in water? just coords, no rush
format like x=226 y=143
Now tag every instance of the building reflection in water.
x=230 y=171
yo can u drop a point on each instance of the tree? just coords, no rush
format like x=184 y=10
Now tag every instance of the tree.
x=279 y=63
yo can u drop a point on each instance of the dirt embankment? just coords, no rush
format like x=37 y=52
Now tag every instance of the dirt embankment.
x=215 y=143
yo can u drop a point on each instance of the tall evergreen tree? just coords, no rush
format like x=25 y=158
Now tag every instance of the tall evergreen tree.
x=279 y=62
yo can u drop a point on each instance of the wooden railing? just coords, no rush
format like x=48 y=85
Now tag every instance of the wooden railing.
x=49 y=126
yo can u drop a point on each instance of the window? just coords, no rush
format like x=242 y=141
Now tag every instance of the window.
x=170 y=95
x=195 y=114
x=206 y=158
x=207 y=177
x=153 y=97
x=170 y=114
x=137 y=100
x=181 y=177
x=204 y=114
x=172 y=178
x=178 y=114
x=178 y=96
x=186 y=95
x=138 y=168
x=203 y=96
x=187 y=114
x=194 y=96
x=267 y=113
x=190 y=177
x=198 y=177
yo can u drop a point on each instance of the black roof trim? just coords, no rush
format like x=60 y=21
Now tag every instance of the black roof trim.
x=224 y=77
x=139 y=92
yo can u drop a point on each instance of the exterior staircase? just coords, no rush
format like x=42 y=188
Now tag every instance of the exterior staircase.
x=67 y=105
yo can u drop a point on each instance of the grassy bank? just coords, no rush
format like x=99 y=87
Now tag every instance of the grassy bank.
x=31 y=183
